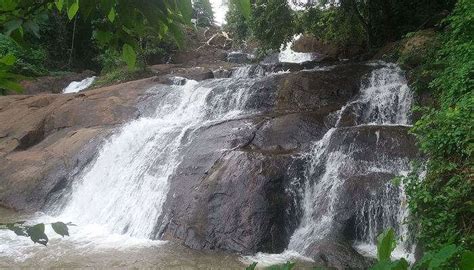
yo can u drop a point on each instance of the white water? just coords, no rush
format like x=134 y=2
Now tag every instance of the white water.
x=287 y=54
x=385 y=99
x=75 y=87
x=117 y=200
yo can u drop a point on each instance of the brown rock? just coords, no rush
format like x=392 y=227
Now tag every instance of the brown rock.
x=45 y=138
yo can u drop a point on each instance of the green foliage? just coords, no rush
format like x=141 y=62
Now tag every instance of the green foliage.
x=386 y=243
x=129 y=55
x=251 y=267
x=332 y=25
x=272 y=23
x=286 y=266
x=29 y=61
x=237 y=22
x=441 y=204
x=119 y=75
x=431 y=260
x=203 y=12
x=7 y=78
x=122 y=23
x=36 y=232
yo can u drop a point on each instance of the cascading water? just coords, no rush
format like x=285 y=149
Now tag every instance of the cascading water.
x=384 y=99
x=75 y=87
x=118 y=198
x=125 y=188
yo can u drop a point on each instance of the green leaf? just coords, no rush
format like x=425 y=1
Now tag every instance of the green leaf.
x=244 y=7
x=72 y=11
x=401 y=264
x=8 y=59
x=8 y=5
x=103 y=37
x=18 y=230
x=11 y=26
x=60 y=228
x=129 y=56
x=10 y=85
x=186 y=9
x=37 y=234
x=467 y=260
x=111 y=15
x=251 y=267
x=32 y=27
x=59 y=4
x=385 y=245
x=442 y=256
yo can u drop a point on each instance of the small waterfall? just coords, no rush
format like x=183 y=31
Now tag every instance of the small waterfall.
x=385 y=99
x=287 y=54
x=75 y=87
x=125 y=187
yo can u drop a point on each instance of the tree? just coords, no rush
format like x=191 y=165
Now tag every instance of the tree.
x=237 y=22
x=203 y=12
x=118 y=24
x=272 y=23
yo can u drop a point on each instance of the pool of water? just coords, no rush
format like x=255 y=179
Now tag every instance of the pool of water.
x=91 y=246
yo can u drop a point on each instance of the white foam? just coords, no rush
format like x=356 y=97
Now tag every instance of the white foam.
x=78 y=86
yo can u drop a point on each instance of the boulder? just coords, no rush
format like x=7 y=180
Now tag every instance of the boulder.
x=53 y=84
x=51 y=137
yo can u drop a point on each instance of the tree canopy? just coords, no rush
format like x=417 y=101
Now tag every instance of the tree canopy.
x=119 y=25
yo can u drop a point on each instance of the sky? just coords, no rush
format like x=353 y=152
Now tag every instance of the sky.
x=220 y=9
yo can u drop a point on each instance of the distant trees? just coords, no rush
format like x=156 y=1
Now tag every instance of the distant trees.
x=203 y=12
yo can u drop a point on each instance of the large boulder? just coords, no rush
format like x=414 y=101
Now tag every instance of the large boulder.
x=44 y=139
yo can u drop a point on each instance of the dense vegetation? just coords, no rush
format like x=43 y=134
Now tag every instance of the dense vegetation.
x=69 y=34
x=442 y=204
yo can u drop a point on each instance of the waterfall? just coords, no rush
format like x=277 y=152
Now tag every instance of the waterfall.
x=289 y=56
x=75 y=87
x=125 y=187
x=385 y=99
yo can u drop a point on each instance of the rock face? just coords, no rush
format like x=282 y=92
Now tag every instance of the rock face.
x=45 y=139
x=237 y=187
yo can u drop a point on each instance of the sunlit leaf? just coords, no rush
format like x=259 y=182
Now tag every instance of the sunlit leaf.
x=8 y=59
x=385 y=245
x=111 y=15
x=72 y=11
x=59 y=4
x=129 y=56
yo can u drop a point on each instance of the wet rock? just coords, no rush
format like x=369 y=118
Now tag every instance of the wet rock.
x=239 y=57
x=326 y=89
x=51 y=137
x=52 y=84
x=338 y=254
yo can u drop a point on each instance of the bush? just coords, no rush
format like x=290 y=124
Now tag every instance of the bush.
x=278 y=15
x=29 y=61
x=441 y=204
x=333 y=25
x=237 y=24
